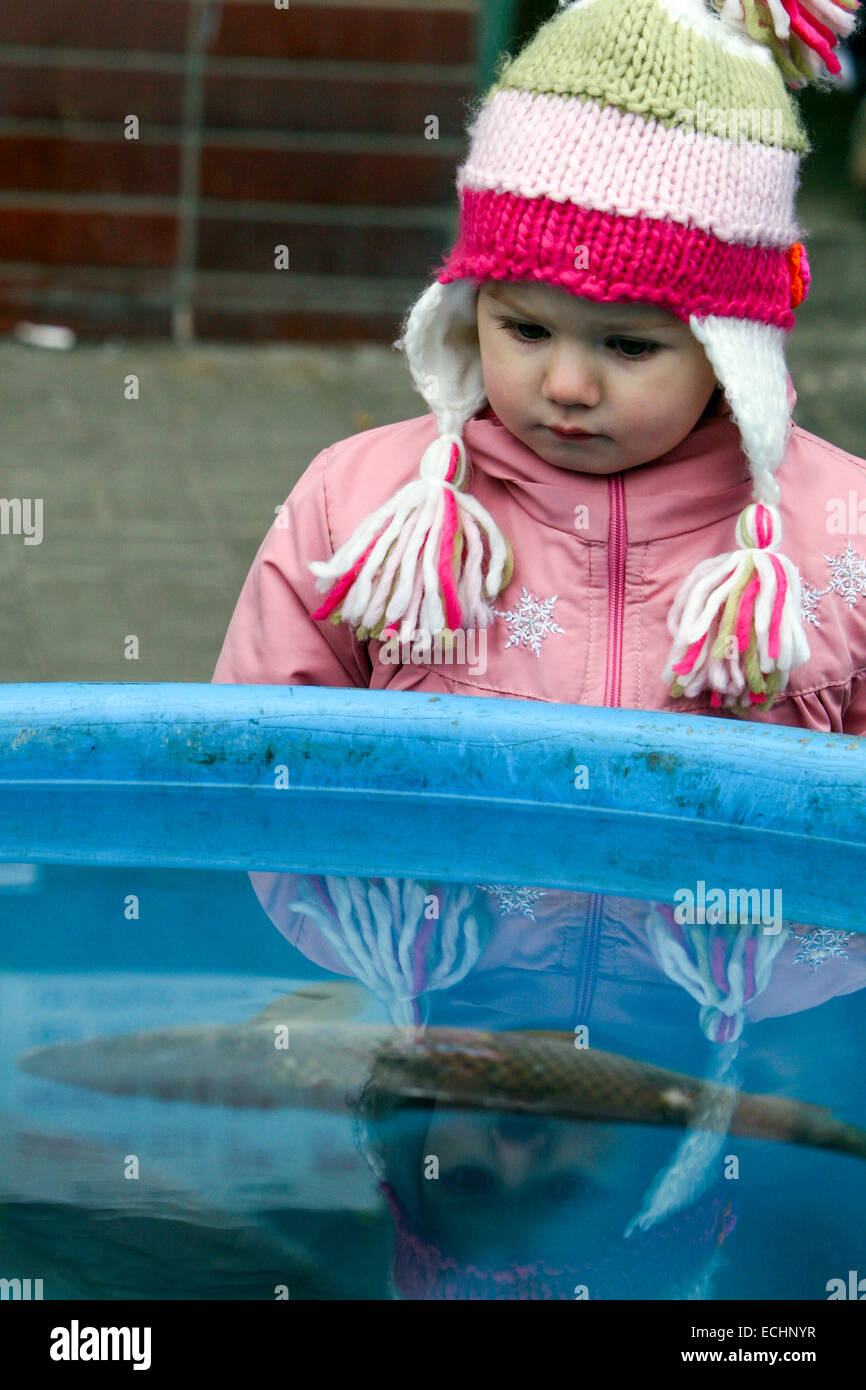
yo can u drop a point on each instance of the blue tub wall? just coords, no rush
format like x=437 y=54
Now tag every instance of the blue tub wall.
x=452 y=788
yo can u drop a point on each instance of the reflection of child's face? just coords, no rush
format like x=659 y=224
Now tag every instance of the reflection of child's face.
x=514 y=1187
x=632 y=376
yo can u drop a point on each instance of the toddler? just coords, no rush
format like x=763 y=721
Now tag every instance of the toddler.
x=613 y=506
x=593 y=512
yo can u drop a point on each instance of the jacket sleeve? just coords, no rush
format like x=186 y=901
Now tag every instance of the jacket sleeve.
x=815 y=964
x=271 y=639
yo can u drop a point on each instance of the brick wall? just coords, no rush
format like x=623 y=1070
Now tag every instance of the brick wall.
x=258 y=127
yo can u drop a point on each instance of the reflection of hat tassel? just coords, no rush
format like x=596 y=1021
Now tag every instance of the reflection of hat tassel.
x=381 y=932
x=419 y=557
x=692 y=1168
x=722 y=966
x=736 y=619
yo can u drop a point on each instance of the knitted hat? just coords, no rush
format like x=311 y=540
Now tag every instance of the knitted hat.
x=609 y=159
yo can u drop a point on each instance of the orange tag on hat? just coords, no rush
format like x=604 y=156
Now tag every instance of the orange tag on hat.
x=798 y=269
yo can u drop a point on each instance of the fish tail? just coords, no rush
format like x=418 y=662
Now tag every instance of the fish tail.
x=794 y=1122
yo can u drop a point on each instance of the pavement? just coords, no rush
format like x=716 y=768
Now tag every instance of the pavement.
x=153 y=508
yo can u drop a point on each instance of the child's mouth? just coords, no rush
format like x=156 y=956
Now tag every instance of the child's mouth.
x=570 y=434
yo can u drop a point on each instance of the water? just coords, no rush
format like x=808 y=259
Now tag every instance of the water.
x=113 y=1196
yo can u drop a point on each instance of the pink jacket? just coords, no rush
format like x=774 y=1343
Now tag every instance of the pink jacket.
x=583 y=620
x=597 y=562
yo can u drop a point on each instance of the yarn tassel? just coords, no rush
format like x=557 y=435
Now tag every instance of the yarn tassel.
x=722 y=966
x=419 y=559
x=695 y=1162
x=801 y=34
x=736 y=620
x=382 y=931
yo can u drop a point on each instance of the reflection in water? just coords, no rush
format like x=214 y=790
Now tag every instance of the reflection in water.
x=503 y=1199
x=539 y=1214
x=509 y=1161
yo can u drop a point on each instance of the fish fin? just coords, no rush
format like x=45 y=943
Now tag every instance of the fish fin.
x=319 y=1001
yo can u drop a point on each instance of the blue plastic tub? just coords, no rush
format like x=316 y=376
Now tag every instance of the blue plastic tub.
x=130 y=818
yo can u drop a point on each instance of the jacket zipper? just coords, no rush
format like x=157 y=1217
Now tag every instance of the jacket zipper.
x=617 y=543
x=589 y=970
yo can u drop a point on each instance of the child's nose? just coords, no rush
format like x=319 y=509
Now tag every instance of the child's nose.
x=571 y=376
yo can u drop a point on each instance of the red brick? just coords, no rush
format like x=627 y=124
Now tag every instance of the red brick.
x=387 y=107
x=49 y=164
x=87 y=94
x=328 y=176
x=365 y=34
x=59 y=237
x=317 y=248
x=158 y=26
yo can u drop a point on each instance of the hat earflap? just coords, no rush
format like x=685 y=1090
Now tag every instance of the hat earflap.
x=431 y=557
x=736 y=621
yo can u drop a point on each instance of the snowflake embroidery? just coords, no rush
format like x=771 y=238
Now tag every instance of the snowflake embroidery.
x=849 y=575
x=821 y=943
x=514 y=899
x=808 y=599
x=530 y=622
x=847 y=579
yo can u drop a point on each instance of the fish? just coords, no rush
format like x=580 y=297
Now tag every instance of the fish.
x=285 y=1059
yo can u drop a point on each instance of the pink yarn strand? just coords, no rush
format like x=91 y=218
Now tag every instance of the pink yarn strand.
x=453 y=461
x=813 y=34
x=683 y=667
x=453 y=611
x=750 y=986
x=343 y=585
x=744 y=617
x=778 y=605
x=717 y=961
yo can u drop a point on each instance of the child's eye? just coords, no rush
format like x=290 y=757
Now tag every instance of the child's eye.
x=632 y=349
x=513 y=325
x=641 y=344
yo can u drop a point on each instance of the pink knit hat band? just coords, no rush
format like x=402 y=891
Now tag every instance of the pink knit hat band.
x=671 y=1254
x=606 y=257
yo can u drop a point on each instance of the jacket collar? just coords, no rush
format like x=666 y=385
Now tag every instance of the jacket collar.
x=703 y=480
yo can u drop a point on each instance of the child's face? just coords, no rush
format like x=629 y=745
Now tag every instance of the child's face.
x=631 y=375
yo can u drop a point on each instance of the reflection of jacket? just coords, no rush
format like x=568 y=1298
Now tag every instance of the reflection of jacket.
x=556 y=959
x=597 y=563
